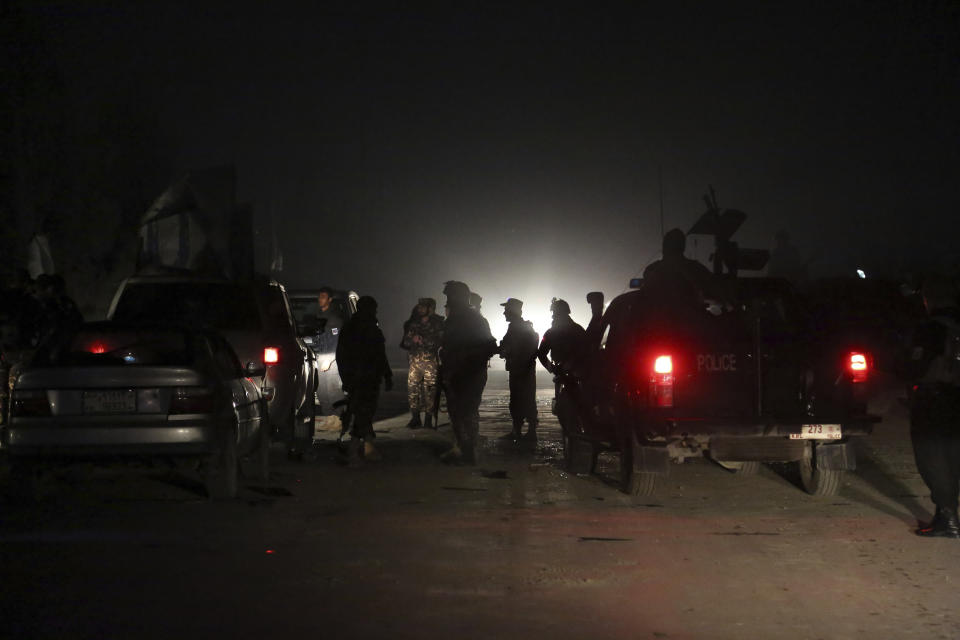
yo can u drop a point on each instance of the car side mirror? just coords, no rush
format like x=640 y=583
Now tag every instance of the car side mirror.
x=255 y=370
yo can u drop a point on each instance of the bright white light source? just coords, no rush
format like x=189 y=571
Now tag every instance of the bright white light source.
x=861 y=273
x=663 y=364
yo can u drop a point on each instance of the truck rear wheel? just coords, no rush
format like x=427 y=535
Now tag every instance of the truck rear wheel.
x=578 y=454
x=818 y=482
x=634 y=480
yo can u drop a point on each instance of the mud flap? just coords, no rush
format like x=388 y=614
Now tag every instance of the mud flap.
x=651 y=459
x=838 y=456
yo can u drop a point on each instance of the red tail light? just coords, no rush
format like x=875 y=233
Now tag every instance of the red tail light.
x=30 y=403
x=857 y=366
x=663 y=364
x=271 y=355
x=661 y=382
x=191 y=400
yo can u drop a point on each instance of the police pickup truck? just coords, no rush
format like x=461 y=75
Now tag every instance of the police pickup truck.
x=745 y=380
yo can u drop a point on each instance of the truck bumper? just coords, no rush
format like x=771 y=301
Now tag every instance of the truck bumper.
x=657 y=427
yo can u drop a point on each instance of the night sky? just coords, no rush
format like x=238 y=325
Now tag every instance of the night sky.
x=518 y=149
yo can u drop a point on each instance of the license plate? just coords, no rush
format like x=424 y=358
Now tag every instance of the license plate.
x=120 y=401
x=817 y=432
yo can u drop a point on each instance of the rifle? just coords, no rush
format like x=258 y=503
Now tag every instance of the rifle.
x=436 y=399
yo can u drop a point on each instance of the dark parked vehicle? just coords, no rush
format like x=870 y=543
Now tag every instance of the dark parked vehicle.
x=256 y=320
x=747 y=383
x=869 y=311
x=323 y=340
x=122 y=391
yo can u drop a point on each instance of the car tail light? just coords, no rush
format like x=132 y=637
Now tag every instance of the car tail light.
x=271 y=355
x=857 y=366
x=97 y=348
x=30 y=402
x=661 y=382
x=191 y=400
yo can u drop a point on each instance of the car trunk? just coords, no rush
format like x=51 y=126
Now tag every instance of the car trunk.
x=121 y=389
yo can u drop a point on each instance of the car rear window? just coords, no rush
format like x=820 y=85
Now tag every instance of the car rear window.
x=306 y=309
x=275 y=309
x=223 y=306
x=127 y=346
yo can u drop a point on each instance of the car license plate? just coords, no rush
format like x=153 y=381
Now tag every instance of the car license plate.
x=817 y=432
x=112 y=401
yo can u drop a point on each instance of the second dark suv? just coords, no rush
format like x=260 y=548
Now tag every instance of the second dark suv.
x=255 y=317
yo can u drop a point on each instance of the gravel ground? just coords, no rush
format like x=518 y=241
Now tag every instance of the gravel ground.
x=514 y=548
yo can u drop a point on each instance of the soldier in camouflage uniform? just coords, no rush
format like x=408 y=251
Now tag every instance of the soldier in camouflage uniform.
x=421 y=338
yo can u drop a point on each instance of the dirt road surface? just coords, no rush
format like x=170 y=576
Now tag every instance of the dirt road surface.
x=514 y=548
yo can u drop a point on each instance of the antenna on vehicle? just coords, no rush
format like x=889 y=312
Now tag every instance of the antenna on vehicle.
x=660 y=180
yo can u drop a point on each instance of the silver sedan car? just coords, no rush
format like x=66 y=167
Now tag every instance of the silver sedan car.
x=122 y=391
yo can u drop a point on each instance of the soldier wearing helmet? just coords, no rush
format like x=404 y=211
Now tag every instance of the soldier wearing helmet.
x=466 y=347
x=519 y=349
x=476 y=301
x=563 y=344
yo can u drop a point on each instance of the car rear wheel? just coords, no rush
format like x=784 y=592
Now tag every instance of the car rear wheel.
x=304 y=423
x=578 y=454
x=222 y=467
x=818 y=482
x=633 y=479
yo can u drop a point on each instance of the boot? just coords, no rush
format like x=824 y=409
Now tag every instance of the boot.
x=451 y=455
x=370 y=454
x=415 y=420
x=469 y=457
x=945 y=524
x=428 y=421
x=513 y=436
x=353 y=452
x=530 y=437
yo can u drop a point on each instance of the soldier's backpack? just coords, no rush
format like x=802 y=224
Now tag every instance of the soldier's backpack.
x=945 y=367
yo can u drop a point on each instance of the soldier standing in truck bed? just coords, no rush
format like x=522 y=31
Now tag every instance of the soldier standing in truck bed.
x=675 y=277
